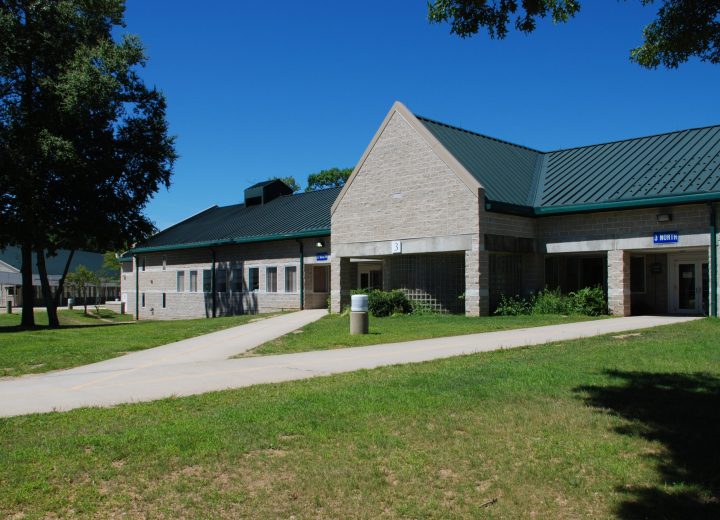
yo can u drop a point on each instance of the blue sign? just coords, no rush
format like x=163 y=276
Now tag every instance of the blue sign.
x=666 y=237
x=321 y=257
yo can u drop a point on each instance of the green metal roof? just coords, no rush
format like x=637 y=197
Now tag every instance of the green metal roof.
x=506 y=170
x=675 y=164
x=54 y=264
x=289 y=216
x=672 y=168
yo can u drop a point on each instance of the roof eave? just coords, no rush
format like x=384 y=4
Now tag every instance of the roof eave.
x=242 y=240
x=670 y=200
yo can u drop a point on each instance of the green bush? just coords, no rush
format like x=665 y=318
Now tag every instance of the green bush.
x=513 y=306
x=550 y=302
x=386 y=303
x=589 y=301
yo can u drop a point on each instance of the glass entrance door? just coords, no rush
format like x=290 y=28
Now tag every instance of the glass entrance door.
x=689 y=285
x=687 y=280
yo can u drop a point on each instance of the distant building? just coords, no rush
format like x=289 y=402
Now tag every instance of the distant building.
x=11 y=277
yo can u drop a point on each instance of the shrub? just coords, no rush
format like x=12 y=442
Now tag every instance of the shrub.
x=386 y=303
x=550 y=302
x=513 y=306
x=589 y=300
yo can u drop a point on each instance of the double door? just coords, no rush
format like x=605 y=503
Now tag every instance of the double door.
x=689 y=285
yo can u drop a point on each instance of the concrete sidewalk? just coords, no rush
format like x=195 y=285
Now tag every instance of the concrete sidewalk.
x=194 y=367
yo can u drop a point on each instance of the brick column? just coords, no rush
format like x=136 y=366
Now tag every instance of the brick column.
x=340 y=282
x=618 y=274
x=477 y=281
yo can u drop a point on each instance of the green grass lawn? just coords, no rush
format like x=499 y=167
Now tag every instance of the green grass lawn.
x=597 y=428
x=87 y=339
x=332 y=331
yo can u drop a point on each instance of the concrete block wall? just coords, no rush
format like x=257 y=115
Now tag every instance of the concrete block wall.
x=404 y=190
x=628 y=229
x=618 y=273
x=160 y=277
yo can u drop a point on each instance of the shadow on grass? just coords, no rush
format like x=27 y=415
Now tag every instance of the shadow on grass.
x=681 y=411
x=20 y=328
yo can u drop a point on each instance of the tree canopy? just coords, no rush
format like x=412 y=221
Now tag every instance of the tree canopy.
x=682 y=29
x=84 y=142
x=329 y=178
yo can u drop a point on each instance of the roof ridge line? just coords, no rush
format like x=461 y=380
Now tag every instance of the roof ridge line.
x=180 y=222
x=615 y=141
x=454 y=127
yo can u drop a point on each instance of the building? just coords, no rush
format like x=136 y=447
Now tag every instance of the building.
x=456 y=219
x=11 y=277
x=271 y=252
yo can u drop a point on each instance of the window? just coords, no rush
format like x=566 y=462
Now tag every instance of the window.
x=193 y=281
x=164 y=303
x=271 y=279
x=164 y=258
x=321 y=279
x=221 y=281
x=142 y=304
x=180 y=281
x=291 y=279
x=143 y=264
x=207 y=280
x=236 y=280
x=254 y=279
x=637 y=274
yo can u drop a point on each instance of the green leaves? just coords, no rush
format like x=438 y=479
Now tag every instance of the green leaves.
x=330 y=178
x=467 y=17
x=683 y=29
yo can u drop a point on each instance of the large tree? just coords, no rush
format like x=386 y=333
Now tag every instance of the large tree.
x=681 y=30
x=84 y=142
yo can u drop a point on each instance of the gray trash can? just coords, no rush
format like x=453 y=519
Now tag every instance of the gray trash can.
x=71 y=302
x=359 y=314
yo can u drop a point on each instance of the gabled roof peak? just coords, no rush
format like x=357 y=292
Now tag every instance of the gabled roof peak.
x=478 y=134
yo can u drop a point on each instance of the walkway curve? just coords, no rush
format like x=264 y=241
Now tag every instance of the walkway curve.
x=186 y=368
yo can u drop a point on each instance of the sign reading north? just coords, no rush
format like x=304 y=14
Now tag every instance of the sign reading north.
x=666 y=237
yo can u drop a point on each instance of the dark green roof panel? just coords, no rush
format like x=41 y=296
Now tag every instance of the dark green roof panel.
x=506 y=170
x=302 y=213
x=675 y=164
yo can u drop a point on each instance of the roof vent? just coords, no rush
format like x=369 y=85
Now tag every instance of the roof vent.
x=264 y=192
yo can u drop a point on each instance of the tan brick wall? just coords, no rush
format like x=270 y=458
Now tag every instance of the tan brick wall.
x=403 y=190
x=618 y=273
x=690 y=219
x=156 y=281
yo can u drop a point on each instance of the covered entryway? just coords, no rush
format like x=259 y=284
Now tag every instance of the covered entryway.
x=433 y=281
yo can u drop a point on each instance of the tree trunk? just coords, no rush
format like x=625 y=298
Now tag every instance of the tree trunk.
x=50 y=306
x=85 y=299
x=28 y=292
x=61 y=284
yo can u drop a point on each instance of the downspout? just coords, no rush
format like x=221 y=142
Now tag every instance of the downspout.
x=137 y=288
x=212 y=284
x=302 y=275
x=713 y=262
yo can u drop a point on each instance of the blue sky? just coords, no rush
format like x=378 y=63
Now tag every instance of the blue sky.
x=263 y=89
